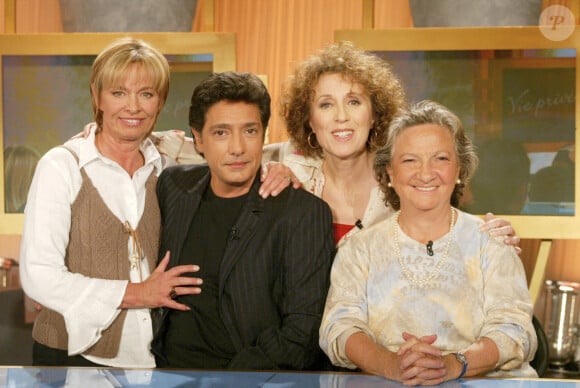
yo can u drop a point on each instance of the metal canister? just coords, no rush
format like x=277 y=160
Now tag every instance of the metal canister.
x=561 y=320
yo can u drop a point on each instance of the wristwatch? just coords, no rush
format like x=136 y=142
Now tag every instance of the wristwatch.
x=463 y=361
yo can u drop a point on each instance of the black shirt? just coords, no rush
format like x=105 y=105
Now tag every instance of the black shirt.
x=198 y=338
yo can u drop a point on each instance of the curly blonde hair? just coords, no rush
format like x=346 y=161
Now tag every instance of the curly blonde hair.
x=370 y=71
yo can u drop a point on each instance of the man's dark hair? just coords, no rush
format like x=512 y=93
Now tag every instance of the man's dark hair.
x=228 y=86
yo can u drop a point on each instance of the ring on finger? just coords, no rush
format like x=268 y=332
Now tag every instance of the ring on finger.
x=288 y=177
x=172 y=293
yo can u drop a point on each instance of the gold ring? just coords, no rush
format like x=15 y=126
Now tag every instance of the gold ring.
x=289 y=178
x=172 y=293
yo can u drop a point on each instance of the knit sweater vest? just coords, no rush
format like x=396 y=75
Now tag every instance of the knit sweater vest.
x=98 y=248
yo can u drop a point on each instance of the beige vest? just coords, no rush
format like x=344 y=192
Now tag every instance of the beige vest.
x=98 y=248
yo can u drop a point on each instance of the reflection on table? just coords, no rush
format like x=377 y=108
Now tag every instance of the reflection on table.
x=91 y=377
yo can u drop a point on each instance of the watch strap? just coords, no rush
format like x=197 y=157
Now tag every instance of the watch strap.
x=463 y=360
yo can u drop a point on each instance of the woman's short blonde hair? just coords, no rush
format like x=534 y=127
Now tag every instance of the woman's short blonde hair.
x=112 y=64
x=370 y=71
x=426 y=112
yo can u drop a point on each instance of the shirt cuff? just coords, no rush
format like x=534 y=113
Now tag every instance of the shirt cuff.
x=511 y=355
x=92 y=314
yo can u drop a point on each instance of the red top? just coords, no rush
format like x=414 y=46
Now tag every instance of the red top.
x=340 y=230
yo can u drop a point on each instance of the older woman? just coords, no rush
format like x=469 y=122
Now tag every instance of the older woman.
x=92 y=223
x=338 y=106
x=426 y=296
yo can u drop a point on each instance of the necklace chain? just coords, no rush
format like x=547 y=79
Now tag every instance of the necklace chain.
x=421 y=281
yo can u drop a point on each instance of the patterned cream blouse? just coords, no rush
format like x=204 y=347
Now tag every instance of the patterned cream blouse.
x=479 y=291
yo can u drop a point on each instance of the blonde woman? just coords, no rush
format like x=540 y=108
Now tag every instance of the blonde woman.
x=91 y=228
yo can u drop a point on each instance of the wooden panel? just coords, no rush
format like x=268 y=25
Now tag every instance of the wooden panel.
x=446 y=38
x=9 y=16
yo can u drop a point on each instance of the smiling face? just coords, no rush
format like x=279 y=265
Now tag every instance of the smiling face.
x=231 y=141
x=130 y=108
x=424 y=167
x=340 y=116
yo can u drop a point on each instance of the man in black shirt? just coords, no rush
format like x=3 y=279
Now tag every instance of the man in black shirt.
x=265 y=263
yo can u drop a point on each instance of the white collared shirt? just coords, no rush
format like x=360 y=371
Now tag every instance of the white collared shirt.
x=88 y=305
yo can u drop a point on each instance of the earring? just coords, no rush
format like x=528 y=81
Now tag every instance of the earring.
x=373 y=135
x=389 y=184
x=310 y=140
x=458 y=181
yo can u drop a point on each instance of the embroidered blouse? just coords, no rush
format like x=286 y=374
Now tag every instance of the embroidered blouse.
x=479 y=291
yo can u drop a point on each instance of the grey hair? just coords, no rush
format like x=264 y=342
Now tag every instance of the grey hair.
x=426 y=112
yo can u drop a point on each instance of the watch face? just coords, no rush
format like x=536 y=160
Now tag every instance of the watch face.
x=461 y=358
